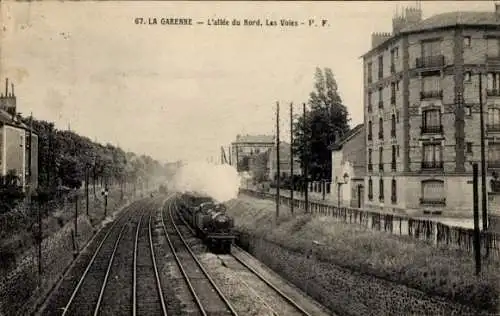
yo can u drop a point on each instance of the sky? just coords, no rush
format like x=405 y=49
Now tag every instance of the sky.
x=180 y=92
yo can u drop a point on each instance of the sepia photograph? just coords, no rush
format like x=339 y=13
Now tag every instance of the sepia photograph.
x=249 y=158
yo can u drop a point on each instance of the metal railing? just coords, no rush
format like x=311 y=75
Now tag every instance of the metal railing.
x=430 y=61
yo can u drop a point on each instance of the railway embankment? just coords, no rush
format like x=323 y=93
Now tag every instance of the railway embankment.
x=21 y=286
x=356 y=271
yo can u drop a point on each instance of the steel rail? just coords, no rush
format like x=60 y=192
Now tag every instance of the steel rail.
x=134 y=284
x=111 y=259
x=183 y=271
x=268 y=283
x=96 y=252
x=224 y=299
x=158 y=281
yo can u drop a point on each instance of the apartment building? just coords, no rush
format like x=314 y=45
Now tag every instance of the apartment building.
x=421 y=111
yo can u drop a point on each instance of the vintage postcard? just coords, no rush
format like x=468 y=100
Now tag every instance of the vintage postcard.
x=249 y=158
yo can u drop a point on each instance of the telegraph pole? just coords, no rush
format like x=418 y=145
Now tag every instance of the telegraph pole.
x=277 y=159
x=306 y=162
x=484 y=197
x=291 y=158
x=477 y=241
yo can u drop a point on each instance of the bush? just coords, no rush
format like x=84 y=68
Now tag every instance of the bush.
x=433 y=270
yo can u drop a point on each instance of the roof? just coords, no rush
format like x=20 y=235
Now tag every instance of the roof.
x=265 y=139
x=348 y=136
x=451 y=19
x=6 y=118
x=446 y=20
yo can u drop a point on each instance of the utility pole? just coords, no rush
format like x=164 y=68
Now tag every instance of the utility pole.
x=291 y=158
x=87 y=178
x=277 y=159
x=477 y=241
x=484 y=197
x=306 y=160
x=76 y=225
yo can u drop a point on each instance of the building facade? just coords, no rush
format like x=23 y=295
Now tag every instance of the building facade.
x=422 y=105
x=349 y=169
x=246 y=147
x=15 y=143
x=285 y=165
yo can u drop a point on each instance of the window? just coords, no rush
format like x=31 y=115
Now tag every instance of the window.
x=380 y=128
x=381 y=193
x=468 y=110
x=494 y=152
x=431 y=48
x=370 y=189
x=370 y=166
x=396 y=52
x=431 y=83
x=393 y=191
x=393 y=162
x=432 y=192
x=432 y=156
x=397 y=150
x=369 y=72
x=467 y=41
x=393 y=125
x=467 y=76
x=469 y=147
x=397 y=116
x=381 y=159
x=431 y=118
x=492 y=47
x=397 y=85
x=380 y=67
x=493 y=117
x=370 y=135
x=493 y=81
x=393 y=93
x=380 y=98
x=369 y=100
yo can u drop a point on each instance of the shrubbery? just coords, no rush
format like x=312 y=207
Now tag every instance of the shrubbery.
x=436 y=271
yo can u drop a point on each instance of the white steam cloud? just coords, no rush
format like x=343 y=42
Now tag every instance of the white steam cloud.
x=221 y=182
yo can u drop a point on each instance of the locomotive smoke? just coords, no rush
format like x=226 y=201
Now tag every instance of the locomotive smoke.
x=220 y=182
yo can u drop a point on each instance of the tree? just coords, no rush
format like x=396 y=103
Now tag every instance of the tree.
x=327 y=121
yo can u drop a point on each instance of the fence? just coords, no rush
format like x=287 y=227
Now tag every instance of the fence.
x=433 y=232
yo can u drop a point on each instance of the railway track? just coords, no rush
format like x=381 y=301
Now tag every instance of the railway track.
x=274 y=293
x=207 y=295
x=105 y=286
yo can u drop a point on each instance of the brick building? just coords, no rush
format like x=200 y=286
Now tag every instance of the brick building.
x=15 y=142
x=422 y=108
x=349 y=168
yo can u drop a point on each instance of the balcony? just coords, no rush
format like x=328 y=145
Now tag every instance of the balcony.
x=430 y=61
x=431 y=129
x=493 y=164
x=393 y=165
x=370 y=167
x=493 y=60
x=493 y=128
x=393 y=68
x=493 y=92
x=381 y=167
x=380 y=104
x=393 y=100
x=380 y=135
x=393 y=133
x=432 y=165
x=370 y=137
x=370 y=108
x=433 y=201
x=433 y=94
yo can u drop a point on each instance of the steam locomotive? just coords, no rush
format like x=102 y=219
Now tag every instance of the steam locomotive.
x=209 y=220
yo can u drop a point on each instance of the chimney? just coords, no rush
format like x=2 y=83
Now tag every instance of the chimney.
x=12 y=86
x=6 y=87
